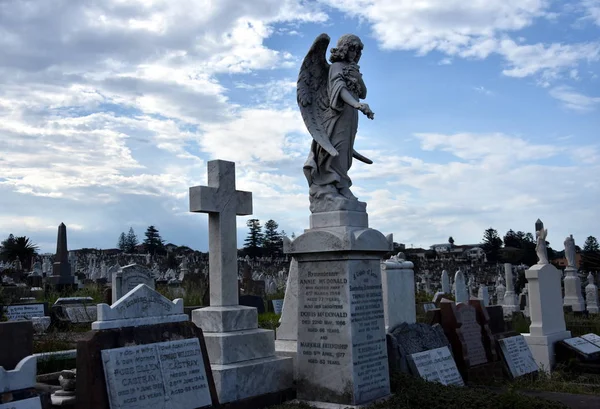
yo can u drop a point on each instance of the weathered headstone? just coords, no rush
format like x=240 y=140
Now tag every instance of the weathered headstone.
x=517 y=356
x=583 y=347
x=572 y=284
x=143 y=352
x=445 y=282
x=436 y=365
x=462 y=292
x=483 y=319
x=591 y=295
x=128 y=277
x=242 y=356
x=408 y=339
x=509 y=303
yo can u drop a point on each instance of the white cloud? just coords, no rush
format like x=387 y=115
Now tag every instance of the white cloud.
x=574 y=100
x=475 y=29
x=592 y=10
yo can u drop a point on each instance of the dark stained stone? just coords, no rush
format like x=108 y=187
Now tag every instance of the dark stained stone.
x=407 y=339
x=91 y=383
x=16 y=342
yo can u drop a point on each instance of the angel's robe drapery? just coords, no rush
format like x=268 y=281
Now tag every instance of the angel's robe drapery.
x=341 y=123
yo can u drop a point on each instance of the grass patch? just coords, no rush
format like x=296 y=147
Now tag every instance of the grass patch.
x=413 y=393
x=268 y=320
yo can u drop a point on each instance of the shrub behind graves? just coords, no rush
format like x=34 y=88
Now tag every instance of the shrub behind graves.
x=268 y=320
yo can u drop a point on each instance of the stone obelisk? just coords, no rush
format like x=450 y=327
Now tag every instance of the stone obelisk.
x=61 y=269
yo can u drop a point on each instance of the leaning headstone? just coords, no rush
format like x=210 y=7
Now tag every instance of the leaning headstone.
x=16 y=312
x=74 y=310
x=483 y=319
x=16 y=386
x=436 y=365
x=517 y=356
x=408 y=339
x=143 y=351
x=128 y=277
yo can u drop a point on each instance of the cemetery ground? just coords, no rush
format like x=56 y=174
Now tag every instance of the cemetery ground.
x=565 y=384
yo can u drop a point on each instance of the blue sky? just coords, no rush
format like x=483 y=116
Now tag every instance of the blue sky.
x=487 y=114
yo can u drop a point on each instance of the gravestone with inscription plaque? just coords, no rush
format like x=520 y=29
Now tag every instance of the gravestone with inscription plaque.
x=144 y=352
x=436 y=365
x=517 y=356
x=128 y=277
x=341 y=347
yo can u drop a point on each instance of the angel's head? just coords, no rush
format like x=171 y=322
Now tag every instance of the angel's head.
x=349 y=48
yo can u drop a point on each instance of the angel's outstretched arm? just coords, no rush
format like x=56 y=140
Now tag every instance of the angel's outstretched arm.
x=349 y=99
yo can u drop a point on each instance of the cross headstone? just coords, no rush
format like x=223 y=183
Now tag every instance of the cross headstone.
x=223 y=203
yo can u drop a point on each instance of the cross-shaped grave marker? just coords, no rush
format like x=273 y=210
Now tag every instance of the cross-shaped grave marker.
x=222 y=203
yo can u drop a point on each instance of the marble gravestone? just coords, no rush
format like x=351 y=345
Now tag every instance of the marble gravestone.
x=16 y=312
x=144 y=352
x=517 y=356
x=242 y=356
x=436 y=365
x=593 y=338
x=16 y=386
x=128 y=277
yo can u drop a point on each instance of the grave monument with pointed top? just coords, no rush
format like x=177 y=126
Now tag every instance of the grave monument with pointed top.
x=61 y=269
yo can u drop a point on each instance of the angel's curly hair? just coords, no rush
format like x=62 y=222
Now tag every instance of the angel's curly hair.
x=344 y=43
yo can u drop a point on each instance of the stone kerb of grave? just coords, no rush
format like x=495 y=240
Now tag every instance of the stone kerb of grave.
x=140 y=306
x=22 y=377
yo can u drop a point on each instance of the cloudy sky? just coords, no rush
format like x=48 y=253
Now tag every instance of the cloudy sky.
x=487 y=114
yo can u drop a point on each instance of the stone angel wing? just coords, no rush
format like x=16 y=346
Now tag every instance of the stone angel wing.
x=312 y=94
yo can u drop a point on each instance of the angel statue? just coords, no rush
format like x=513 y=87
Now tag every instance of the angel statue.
x=540 y=247
x=570 y=251
x=329 y=100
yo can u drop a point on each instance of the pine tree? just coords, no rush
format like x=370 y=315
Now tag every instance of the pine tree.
x=590 y=256
x=122 y=242
x=254 y=240
x=153 y=243
x=492 y=243
x=273 y=244
x=131 y=241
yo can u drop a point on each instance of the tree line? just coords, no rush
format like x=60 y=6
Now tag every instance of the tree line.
x=153 y=243
x=519 y=247
x=267 y=243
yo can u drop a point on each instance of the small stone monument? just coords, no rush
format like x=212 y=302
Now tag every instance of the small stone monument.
x=545 y=297
x=462 y=292
x=242 y=356
x=61 y=269
x=398 y=280
x=572 y=283
x=129 y=277
x=510 y=303
x=591 y=295
x=17 y=386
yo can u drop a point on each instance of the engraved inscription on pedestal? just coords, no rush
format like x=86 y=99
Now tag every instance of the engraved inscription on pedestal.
x=342 y=356
x=436 y=365
x=470 y=330
x=165 y=375
x=517 y=356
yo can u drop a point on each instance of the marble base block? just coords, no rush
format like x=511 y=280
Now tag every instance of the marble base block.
x=339 y=218
x=252 y=378
x=230 y=347
x=288 y=349
x=225 y=319
x=542 y=348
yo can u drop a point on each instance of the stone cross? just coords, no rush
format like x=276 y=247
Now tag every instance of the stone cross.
x=222 y=203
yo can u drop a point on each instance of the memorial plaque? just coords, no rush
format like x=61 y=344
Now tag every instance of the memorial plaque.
x=164 y=375
x=582 y=345
x=277 y=306
x=517 y=356
x=471 y=334
x=16 y=312
x=31 y=403
x=593 y=338
x=436 y=365
x=341 y=332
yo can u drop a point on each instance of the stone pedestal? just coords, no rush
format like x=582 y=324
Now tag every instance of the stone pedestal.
x=342 y=353
x=398 y=281
x=573 y=295
x=242 y=356
x=547 y=319
x=287 y=332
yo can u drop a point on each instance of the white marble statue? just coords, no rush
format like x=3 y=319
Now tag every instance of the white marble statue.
x=540 y=248
x=570 y=251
